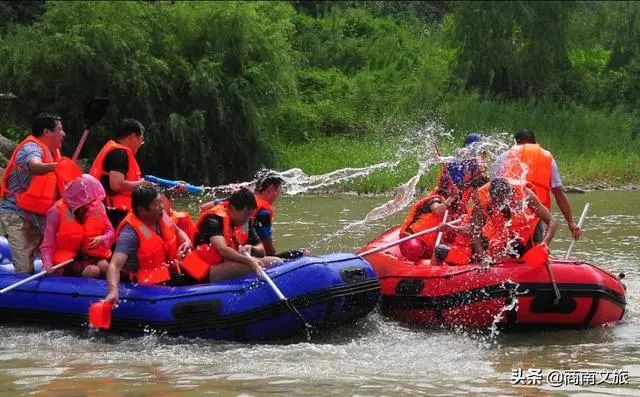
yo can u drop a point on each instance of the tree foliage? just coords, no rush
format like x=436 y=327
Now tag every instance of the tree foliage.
x=216 y=83
x=201 y=76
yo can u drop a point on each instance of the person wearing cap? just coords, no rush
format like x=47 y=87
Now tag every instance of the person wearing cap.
x=528 y=160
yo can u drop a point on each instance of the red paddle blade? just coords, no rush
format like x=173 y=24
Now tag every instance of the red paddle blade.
x=100 y=314
x=537 y=256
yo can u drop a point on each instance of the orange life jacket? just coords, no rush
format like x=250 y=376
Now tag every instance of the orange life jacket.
x=43 y=190
x=95 y=225
x=499 y=229
x=184 y=222
x=73 y=237
x=198 y=262
x=69 y=236
x=460 y=252
x=155 y=251
x=416 y=222
x=264 y=205
x=119 y=200
x=538 y=169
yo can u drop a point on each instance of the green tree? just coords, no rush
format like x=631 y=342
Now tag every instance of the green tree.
x=517 y=49
x=203 y=77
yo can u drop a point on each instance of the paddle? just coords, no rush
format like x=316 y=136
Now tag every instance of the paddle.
x=307 y=327
x=439 y=238
x=168 y=183
x=580 y=222
x=100 y=314
x=402 y=240
x=33 y=277
x=96 y=108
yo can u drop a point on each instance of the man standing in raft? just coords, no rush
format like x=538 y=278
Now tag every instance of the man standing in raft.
x=225 y=233
x=117 y=169
x=529 y=161
x=30 y=186
x=148 y=243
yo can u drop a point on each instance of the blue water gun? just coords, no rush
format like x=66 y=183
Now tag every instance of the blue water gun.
x=167 y=183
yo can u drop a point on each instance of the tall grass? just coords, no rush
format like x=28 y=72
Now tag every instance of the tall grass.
x=591 y=147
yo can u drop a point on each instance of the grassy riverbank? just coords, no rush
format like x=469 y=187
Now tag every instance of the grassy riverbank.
x=593 y=148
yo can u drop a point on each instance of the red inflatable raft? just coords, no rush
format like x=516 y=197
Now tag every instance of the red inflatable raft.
x=513 y=294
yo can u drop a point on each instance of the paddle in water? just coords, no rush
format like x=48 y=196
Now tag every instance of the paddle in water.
x=100 y=314
x=303 y=323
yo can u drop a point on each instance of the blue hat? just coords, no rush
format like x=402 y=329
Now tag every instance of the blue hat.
x=471 y=138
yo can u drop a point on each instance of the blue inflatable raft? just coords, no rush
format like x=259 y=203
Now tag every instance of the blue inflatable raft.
x=329 y=291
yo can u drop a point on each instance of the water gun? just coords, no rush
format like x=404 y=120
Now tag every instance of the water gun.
x=167 y=183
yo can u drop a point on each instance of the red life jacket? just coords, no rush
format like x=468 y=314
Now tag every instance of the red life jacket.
x=536 y=163
x=198 y=262
x=155 y=251
x=43 y=190
x=119 y=200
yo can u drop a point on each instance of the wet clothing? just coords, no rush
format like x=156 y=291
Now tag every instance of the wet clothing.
x=263 y=224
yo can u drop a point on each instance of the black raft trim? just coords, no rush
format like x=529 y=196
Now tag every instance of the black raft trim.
x=504 y=290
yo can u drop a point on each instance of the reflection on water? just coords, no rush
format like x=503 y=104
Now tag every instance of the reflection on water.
x=374 y=357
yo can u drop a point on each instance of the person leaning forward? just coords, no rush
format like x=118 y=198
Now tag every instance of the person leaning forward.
x=528 y=160
x=224 y=233
x=117 y=169
x=148 y=243
x=30 y=186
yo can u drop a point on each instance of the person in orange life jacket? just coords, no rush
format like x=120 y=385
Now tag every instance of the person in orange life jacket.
x=117 y=168
x=182 y=219
x=77 y=227
x=457 y=178
x=29 y=188
x=425 y=214
x=528 y=160
x=501 y=224
x=224 y=233
x=147 y=243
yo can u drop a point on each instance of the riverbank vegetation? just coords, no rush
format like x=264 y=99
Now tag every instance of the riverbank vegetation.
x=226 y=87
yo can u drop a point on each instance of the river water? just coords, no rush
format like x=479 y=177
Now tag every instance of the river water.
x=372 y=358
